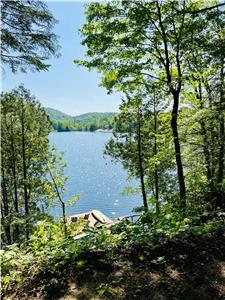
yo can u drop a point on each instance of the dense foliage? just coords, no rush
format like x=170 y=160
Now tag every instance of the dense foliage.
x=27 y=40
x=168 y=60
x=39 y=266
x=27 y=189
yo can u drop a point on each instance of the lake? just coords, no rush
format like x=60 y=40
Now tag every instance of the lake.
x=99 y=181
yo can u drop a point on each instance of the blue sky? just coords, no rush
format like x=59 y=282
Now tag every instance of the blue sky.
x=66 y=87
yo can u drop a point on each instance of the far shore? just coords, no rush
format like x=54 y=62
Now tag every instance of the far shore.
x=94 y=131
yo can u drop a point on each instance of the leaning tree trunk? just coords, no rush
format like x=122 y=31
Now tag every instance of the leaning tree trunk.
x=60 y=199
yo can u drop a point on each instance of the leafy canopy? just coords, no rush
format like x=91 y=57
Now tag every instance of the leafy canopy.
x=26 y=35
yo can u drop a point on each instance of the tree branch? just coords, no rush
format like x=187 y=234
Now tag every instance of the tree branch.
x=200 y=10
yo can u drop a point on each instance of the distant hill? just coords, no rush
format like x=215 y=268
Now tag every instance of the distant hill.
x=84 y=122
x=94 y=116
x=56 y=115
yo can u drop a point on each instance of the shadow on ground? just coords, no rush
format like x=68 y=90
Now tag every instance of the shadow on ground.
x=192 y=269
x=182 y=269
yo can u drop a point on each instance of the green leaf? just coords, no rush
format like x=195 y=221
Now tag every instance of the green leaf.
x=72 y=201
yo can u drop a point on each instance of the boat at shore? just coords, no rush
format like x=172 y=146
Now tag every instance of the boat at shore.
x=96 y=218
x=104 y=130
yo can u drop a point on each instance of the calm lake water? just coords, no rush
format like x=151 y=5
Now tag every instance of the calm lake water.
x=99 y=182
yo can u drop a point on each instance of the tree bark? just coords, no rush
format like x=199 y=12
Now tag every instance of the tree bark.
x=208 y=162
x=220 y=175
x=6 y=209
x=145 y=202
x=175 y=93
x=156 y=168
x=178 y=152
x=26 y=200
x=13 y=166
x=13 y=161
x=207 y=158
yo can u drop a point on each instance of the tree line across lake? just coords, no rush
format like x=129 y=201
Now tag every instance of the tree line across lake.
x=85 y=122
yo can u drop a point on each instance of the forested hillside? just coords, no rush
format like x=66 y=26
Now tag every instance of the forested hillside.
x=84 y=122
x=56 y=115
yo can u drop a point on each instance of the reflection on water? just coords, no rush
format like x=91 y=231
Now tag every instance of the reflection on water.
x=99 y=181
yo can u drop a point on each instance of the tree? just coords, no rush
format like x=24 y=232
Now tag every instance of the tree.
x=142 y=144
x=25 y=152
x=58 y=184
x=205 y=92
x=93 y=127
x=26 y=35
x=139 y=43
x=148 y=41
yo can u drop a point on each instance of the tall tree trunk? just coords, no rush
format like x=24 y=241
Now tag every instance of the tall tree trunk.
x=6 y=238
x=13 y=166
x=220 y=175
x=206 y=143
x=207 y=158
x=211 y=146
x=13 y=161
x=212 y=138
x=5 y=209
x=156 y=168
x=26 y=200
x=145 y=203
x=175 y=92
x=178 y=152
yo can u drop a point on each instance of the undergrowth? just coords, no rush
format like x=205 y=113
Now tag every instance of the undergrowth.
x=49 y=250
